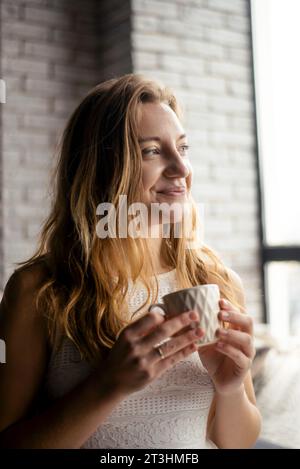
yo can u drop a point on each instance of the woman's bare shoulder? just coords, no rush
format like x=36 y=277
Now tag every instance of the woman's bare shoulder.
x=31 y=275
x=20 y=292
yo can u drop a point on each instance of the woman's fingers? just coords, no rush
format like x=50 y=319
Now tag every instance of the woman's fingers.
x=168 y=328
x=164 y=364
x=238 y=339
x=235 y=354
x=173 y=345
x=143 y=325
x=243 y=321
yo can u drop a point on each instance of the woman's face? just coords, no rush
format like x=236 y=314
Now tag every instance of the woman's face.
x=166 y=169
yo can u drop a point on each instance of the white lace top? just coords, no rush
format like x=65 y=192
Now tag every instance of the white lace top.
x=170 y=412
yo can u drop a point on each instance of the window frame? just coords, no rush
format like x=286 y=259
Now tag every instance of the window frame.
x=268 y=253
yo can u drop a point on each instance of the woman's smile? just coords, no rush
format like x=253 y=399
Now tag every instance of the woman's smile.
x=173 y=193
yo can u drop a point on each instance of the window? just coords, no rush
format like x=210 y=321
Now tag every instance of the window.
x=276 y=39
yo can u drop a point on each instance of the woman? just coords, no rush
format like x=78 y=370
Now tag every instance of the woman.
x=75 y=318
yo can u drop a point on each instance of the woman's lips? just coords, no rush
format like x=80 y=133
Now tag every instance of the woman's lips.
x=176 y=192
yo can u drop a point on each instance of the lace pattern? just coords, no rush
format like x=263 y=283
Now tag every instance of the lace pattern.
x=170 y=412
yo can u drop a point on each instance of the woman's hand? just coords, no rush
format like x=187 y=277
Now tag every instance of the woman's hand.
x=229 y=360
x=134 y=361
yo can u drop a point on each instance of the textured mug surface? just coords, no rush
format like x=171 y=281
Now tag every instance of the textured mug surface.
x=204 y=299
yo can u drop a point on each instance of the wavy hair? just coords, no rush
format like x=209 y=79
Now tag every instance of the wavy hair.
x=99 y=159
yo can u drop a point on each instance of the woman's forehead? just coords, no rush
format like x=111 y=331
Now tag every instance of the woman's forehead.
x=157 y=118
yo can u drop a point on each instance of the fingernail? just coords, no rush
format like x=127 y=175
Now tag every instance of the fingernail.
x=225 y=314
x=157 y=309
x=220 y=344
x=193 y=315
x=223 y=332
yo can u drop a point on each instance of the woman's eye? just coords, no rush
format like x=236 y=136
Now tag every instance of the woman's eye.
x=150 y=152
x=186 y=147
x=155 y=151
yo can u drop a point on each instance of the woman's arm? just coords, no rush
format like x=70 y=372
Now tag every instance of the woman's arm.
x=237 y=421
x=69 y=420
x=67 y=423
x=234 y=420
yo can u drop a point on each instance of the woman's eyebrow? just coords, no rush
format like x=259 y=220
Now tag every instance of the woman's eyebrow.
x=146 y=139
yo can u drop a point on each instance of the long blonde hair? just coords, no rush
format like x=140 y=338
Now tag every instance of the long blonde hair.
x=98 y=155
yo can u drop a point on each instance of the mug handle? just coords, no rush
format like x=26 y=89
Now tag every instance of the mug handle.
x=158 y=305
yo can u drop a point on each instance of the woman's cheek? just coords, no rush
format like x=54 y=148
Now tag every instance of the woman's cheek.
x=150 y=176
x=189 y=177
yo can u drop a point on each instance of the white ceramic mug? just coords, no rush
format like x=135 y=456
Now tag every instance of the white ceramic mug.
x=204 y=299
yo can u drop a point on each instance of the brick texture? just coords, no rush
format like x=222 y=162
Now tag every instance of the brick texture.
x=53 y=51
x=202 y=49
x=45 y=76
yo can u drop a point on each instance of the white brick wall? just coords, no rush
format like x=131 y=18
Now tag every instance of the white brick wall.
x=48 y=59
x=202 y=50
x=114 y=49
x=53 y=51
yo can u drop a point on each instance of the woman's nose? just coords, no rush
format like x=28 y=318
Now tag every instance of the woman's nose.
x=177 y=167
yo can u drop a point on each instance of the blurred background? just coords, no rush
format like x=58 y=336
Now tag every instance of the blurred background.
x=233 y=65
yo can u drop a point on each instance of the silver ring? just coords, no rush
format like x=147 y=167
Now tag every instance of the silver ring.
x=160 y=352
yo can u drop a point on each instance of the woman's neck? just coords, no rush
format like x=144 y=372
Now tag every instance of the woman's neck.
x=159 y=265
